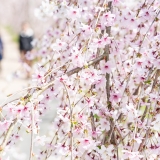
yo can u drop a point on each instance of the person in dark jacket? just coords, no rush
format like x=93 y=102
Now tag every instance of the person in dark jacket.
x=25 y=39
x=25 y=43
x=1 y=51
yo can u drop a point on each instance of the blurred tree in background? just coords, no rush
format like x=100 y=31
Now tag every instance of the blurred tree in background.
x=13 y=13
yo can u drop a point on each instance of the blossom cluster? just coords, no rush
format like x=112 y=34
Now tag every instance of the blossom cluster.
x=101 y=61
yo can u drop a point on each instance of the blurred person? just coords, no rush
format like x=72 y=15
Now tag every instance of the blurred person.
x=1 y=52
x=25 y=44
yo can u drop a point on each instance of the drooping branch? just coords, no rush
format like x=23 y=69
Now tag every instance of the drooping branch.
x=76 y=70
x=7 y=135
x=90 y=63
x=69 y=73
x=71 y=120
x=147 y=110
x=155 y=18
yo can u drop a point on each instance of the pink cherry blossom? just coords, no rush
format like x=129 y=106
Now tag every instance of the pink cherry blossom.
x=115 y=97
x=107 y=67
x=95 y=84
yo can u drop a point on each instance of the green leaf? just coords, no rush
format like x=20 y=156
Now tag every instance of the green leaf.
x=147 y=82
x=96 y=116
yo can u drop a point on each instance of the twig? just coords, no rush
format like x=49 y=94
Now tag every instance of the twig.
x=90 y=63
x=112 y=125
x=73 y=71
x=6 y=137
x=32 y=134
x=148 y=130
x=107 y=51
x=154 y=83
x=94 y=27
x=92 y=122
x=123 y=138
x=18 y=97
x=59 y=67
x=71 y=117
x=148 y=30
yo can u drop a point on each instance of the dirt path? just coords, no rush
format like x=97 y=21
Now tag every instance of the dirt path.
x=10 y=82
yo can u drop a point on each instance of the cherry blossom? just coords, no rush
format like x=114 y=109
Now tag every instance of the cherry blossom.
x=99 y=70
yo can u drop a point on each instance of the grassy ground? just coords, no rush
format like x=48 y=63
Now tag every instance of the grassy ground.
x=12 y=33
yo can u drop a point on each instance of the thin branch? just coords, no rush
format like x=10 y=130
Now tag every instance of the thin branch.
x=94 y=27
x=9 y=100
x=71 y=117
x=148 y=130
x=157 y=74
x=75 y=70
x=148 y=30
x=7 y=135
x=112 y=125
x=59 y=67
x=92 y=122
x=69 y=73
x=90 y=63
x=121 y=140
x=32 y=134
x=107 y=51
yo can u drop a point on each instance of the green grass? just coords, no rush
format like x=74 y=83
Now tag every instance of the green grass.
x=12 y=33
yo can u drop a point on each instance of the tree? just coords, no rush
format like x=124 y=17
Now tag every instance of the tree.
x=101 y=61
x=13 y=13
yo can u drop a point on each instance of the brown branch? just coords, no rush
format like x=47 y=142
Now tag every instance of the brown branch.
x=71 y=120
x=32 y=134
x=138 y=89
x=121 y=140
x=92 y=122
x=3 y=144
x=107 y=51
x=111 y=135
x=13 y=96
x=148 y=110
x=119 y=133
x=141 y=147
x=155 y=18
x=157 y=74
x=75 y=70
x=156 y=78
x=90 y=63
x=69 y=73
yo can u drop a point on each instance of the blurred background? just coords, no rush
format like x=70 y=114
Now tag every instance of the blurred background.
x=12 y=69
x=12 y=14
